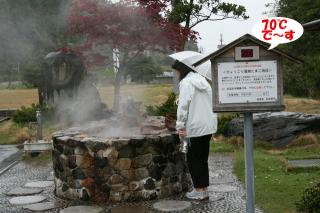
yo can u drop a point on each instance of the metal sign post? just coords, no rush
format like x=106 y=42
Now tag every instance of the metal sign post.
x=247 y=77
x=249 y=167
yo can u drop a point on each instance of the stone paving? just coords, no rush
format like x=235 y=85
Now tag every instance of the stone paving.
x=226 y=192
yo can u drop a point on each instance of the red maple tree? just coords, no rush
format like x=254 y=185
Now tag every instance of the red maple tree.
x=129 y=26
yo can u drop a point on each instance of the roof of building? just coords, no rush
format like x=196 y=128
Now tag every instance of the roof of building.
x=312 y=25
x=238 y=41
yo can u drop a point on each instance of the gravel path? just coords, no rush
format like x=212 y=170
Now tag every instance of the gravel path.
x=226 y=192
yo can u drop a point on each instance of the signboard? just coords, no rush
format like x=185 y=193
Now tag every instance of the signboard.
x=247 y=82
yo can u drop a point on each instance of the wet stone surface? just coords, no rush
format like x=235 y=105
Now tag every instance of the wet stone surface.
x=171 y=205
x=41 y=207
x=20 y=191
x=39 y=184
x=82 y=209
x=222 y=188
x=23 y=200
x=304 y=163
x=219 y=201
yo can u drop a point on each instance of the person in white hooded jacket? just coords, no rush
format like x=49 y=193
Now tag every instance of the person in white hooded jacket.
x=197 y=122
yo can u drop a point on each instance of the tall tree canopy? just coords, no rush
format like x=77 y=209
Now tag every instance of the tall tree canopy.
x=127 y=26
x=190 y=13
x=302 y=80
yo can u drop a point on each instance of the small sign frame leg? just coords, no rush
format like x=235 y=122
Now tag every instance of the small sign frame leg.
x=249 y=166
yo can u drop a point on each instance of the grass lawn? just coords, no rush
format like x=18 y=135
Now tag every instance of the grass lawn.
x=147 y=93
x=15 y=98
x=277 y=190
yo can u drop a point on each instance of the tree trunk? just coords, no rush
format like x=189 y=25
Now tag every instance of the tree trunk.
x=117 y=82
x=117 y=85
x=188 y=20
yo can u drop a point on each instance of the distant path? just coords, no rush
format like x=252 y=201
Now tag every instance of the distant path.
x=9 y=156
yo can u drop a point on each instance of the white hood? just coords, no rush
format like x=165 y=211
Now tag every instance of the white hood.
x=199 y=82
x=195 y=106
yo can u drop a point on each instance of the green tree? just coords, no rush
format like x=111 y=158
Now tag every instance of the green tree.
x=30 y=27
x=301 y=80
x=143 y=69
x=190 y=13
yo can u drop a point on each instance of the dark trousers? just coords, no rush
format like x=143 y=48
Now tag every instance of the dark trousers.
x=197 y=158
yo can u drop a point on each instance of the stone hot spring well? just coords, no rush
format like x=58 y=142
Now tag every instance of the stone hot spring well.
x=106 y=162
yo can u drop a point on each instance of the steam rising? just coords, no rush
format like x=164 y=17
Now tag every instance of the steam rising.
x=24 y=29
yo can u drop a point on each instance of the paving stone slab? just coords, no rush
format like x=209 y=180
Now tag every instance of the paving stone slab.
x=221 y=181
x=20 y=191
x=39 y=184
x=129 y=209
x=24 y=200
x=43 y=206
x=304 y=163
x=222 y=188
x=82 y=209
x=171 y=205
x=213 y=198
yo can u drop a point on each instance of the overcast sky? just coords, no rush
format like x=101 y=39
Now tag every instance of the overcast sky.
x=231 y=29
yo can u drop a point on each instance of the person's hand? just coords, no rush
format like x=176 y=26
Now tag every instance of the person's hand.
x=182 y=133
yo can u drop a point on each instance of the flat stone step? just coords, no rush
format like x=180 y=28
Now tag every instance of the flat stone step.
x=20 y=191
x=39 y=184
x=82 y=209
x=213 y=197
x=171 y=205
x=221 y=181
x=222 y=188
x=24 y=200
x=45 y=206
x=304 y=163
x=129 y=209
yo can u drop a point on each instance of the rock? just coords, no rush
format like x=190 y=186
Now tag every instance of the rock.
x=141 y=173
x=119 y=187
x=84 y=161
x=84 y=194
x=78 y=174
x=39 y=184
x=171 y=205
x=149 y=184
x=127 y=152
x=222 y=188
x=23 y=191
x=82 y=209
x=123 y=163
x=129 y=209
x=24 y=200
x=303 y=164
x=111 y=154
x=169 y=171
x=100 y=162
x=79 y=150
x=128 y=174
x=142 y=160
x=155 y=172
x=278 y=128
x=115 y=179
x=41 y=207
x=134 y=185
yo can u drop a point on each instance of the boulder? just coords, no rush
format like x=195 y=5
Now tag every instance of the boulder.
x=278 y=128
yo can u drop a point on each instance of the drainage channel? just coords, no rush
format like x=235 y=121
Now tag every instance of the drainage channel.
x=10 y=156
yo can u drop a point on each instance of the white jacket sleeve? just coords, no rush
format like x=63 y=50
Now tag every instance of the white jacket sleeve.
x=186 y=91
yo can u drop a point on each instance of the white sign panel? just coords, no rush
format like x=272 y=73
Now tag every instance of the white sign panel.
x=247 y=82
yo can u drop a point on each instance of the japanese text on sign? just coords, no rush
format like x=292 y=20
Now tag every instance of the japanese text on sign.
x=247 y=82
x=277 y=30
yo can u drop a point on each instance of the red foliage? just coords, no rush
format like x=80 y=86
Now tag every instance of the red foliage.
x=127 y=25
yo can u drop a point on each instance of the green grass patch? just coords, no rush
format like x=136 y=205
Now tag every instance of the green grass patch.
x=43 y=157
x=221 y=147
x=277 y=190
